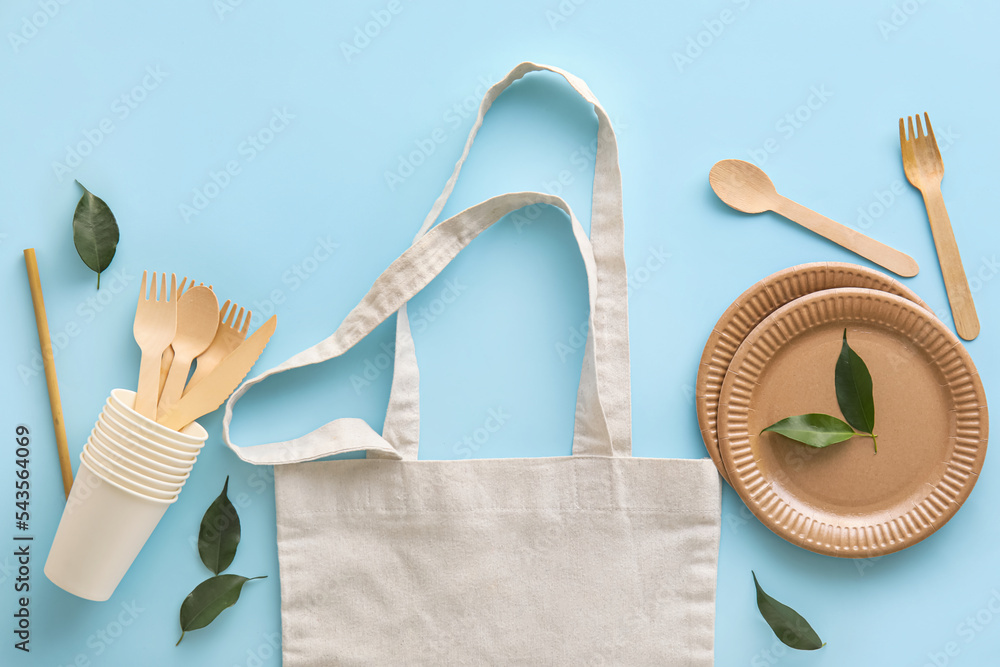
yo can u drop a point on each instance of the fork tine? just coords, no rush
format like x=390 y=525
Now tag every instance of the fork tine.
x=227 y=319
x=920 y=129
x=142 y=287
x=902 y=133
x=930 y=131
x=239 y=319
x=173 y=287
x=246 y=323
x=909 y=126
x=162 y=296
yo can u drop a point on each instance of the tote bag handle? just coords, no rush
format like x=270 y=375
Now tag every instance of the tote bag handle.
x=402 y=422
x=603 y=404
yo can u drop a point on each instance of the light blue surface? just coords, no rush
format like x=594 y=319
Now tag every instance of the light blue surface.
x=321 y=181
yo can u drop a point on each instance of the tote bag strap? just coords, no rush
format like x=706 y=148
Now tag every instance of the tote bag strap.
x=402 y=423
x=406 y=276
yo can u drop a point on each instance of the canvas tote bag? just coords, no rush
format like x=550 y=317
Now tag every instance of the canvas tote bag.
x=598 y=558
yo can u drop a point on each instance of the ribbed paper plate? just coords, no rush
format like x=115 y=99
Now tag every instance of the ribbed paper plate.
x=751 y=308
x=930 y=416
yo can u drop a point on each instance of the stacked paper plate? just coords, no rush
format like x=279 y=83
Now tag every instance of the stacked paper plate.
x=131 y=470
x=772 y=355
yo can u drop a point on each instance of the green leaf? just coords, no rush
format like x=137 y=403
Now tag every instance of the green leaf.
x=220 y=533
x=815 y=430
x=209 y=599
x=787 y=624
x=95 y=232
x=854 y=389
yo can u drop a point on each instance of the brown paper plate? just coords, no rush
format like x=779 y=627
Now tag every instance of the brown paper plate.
x=930 y=416
x=751 y=308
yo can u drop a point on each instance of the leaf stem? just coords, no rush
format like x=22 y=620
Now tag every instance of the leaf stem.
x=874 y=440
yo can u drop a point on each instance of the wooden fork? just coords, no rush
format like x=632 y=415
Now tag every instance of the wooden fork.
x=227 y=338
x=924 y=170
x=154 y=328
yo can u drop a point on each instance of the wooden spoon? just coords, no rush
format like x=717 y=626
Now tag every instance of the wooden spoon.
x=197 y=322
x=746 y=188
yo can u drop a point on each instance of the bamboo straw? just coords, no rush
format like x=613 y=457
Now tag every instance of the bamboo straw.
x=50 y=367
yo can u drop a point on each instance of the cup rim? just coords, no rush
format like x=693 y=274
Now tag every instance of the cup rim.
x=103 y=470
x=170 y=447
x=105 y=441
x=129 y=474
x=101 y=443
x=146 y=422
x=122 y=416
x=111 y=428
x=139 y=496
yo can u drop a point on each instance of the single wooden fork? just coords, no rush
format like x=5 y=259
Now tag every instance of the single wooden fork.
x=154 y=328
x=924 y=170
x=227 y=338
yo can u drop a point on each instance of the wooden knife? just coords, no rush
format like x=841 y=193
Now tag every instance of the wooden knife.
x=216 y=387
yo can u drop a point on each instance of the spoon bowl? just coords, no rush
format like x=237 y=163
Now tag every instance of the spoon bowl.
x=743 y=186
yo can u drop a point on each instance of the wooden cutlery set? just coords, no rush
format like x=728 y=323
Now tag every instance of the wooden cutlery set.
x=747 y=188
x=176 y=328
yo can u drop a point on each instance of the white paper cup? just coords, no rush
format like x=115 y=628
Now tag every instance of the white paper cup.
x=102 y=530
x=140 y=448
x=100 y=446
x=120 y=478
x=123 y=400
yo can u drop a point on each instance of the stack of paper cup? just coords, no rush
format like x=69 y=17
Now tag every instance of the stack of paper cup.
x=131 y=470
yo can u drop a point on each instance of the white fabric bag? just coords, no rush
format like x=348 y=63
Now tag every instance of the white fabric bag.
x=597 y=558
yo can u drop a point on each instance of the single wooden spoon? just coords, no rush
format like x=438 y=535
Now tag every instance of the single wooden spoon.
x=747 y=188
x=197 y=322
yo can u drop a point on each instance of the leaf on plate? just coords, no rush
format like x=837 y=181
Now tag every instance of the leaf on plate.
x=209 y=599
x=854 y=390
x=95 y=232
x=220 y=533
x=787 y=624
x=814 y=429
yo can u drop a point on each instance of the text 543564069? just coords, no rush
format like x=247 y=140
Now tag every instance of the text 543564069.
x=22 y=541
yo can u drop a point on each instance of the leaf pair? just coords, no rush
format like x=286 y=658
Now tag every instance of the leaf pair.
x=856 y=400
x=787 y=624
x=218 y=538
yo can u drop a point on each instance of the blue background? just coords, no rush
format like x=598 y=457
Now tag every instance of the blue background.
x=226 y=68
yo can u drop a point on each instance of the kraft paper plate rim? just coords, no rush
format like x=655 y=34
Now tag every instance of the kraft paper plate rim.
x=845 y=500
